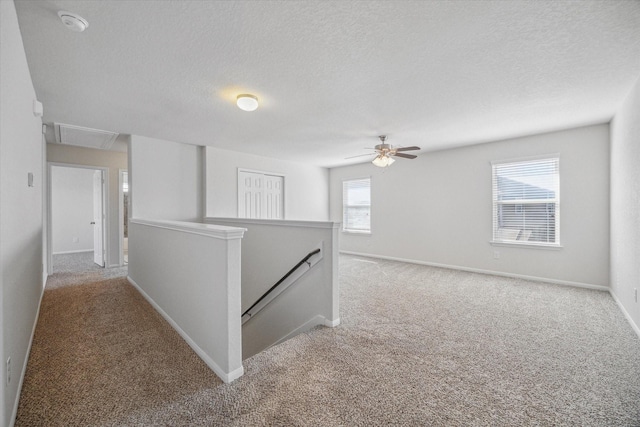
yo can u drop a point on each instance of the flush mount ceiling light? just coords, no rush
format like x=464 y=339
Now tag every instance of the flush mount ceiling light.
x=73 y=21
x=247 y=102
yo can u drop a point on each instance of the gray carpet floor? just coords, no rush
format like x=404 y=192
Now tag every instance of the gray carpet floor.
x=74 y=262
x=78 y=268
x=417 y=346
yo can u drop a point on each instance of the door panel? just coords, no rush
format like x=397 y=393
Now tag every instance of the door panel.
x=98 y=219
x=273 y=197
x=260 y=195
x=250 y=195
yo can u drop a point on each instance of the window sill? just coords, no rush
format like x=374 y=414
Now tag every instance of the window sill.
x=553 y=247
x=356 y=232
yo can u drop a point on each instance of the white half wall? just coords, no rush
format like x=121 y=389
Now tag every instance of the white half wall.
x=114 y=161
x=71 y=209
x=21 y=217
x=306 y=187
x=190 y=273
x=625 y=206
x=437 y=208
x=165 y=179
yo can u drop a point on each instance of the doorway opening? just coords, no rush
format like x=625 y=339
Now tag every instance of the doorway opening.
x=123 y=215
x=77 y=218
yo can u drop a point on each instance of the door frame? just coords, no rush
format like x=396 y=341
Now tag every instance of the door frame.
x=121 y=173
x=105 y=210
x=284 y=188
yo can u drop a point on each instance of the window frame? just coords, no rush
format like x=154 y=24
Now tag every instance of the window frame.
x=521 y=202
x=346 y=206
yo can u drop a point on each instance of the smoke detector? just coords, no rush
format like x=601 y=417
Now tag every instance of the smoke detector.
x=73 y=21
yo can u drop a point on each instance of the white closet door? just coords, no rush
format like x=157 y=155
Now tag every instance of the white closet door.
x=250 y=189
x=273 y=192
x=260 y=195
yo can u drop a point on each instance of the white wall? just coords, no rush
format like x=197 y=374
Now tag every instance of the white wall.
x=113 y=160
x=165 y=180
x=625 y=205
x=306 y=187
x=438 y=208
x=72 y=209
x=190 y=273
x=21 y=152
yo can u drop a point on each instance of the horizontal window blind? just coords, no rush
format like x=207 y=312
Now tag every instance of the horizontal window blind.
x=356 y=205
x=526 y=202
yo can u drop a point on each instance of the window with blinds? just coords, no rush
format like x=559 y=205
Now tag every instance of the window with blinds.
x=356 y=205
x=526 y=202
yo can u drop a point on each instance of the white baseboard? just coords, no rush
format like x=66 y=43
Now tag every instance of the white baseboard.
x=14 y=413
x=635 y=327
x=227 y=377
x=331 y=323
x=73 y=252
x=481 y=271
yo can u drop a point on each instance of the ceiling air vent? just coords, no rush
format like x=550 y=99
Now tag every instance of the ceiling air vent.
x=84 y=137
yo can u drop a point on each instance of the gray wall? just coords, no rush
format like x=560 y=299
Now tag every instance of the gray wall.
x=114 y=161
x=625 y=205
x=165 y=180
x=71 y=209
x=21 y=152
x=438 y=208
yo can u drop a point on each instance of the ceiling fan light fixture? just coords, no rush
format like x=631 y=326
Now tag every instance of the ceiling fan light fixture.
x=247 y=102
x=383 y=161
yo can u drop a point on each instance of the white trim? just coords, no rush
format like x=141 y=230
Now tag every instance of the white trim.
x=73 y=252
x=357 y=233
x=209 y=230
x=481 y=271
x=227 y=377
x=331 y=323
x=278 y=222
x=526 y=158
x=261 y=172
x=635 y=327
x=14 y=413
x=105 y=211
x=516 y=243
x=121 y=216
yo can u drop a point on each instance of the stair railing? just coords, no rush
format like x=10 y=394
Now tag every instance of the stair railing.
x=255 y=308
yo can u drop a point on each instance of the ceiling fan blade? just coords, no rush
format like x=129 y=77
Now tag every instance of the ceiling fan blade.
x=360 y=155
x=407 y=148
x=406 y=156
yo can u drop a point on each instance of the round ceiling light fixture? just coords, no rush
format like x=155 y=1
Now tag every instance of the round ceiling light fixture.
x=73 y=21
x=247 y=102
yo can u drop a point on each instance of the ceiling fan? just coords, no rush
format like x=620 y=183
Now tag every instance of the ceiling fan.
x=385 y=153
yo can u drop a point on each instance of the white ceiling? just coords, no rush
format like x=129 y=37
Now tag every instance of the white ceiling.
x=332 y=75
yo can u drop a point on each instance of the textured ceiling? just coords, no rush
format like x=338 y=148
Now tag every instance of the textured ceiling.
x=332 y=75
